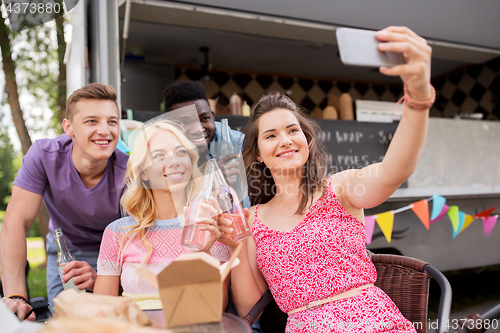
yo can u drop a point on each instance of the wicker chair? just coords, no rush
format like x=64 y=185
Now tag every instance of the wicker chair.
x=406 y=280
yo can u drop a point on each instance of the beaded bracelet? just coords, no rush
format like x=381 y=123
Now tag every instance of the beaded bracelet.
x=407 y=100
x=16 y=296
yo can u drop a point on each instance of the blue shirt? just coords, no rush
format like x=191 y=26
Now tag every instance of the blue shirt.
x=236 y=138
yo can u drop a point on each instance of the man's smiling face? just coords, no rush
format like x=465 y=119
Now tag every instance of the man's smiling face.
x=207 y=120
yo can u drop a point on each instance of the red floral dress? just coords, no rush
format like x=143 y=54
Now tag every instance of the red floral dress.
x=325 y=255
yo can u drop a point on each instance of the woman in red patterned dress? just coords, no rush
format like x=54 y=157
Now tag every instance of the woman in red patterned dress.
x=309 y=235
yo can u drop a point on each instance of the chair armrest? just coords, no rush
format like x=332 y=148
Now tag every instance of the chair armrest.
x=258 y=307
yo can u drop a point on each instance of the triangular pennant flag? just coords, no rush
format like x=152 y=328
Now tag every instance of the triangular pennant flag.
x=421 y=208
x=440 y=216
x=489 y=224
x=437 y=206
x=453 y=215
x=461 y=221
x=385 y=222
x=485 y=213
x=369 y=225
x=467 y=221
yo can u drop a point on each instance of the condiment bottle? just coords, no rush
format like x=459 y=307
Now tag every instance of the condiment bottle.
x=245 y=109
x=235 y=105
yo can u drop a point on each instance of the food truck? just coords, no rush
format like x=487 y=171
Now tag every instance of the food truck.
x=251 y=47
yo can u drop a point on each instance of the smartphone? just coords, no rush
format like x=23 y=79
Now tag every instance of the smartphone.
x=359 y=48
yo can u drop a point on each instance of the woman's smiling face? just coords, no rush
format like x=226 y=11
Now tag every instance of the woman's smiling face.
x=168 y=165
x=282 y=144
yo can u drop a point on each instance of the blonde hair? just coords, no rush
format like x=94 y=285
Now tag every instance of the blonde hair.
x=137 y=200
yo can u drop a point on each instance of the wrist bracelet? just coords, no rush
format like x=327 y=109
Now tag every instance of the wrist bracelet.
x=407 y=100
x=16 y=296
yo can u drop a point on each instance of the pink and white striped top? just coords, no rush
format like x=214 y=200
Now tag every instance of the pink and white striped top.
x=164 y=237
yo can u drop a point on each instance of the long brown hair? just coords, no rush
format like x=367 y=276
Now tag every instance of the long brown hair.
x=261 y=185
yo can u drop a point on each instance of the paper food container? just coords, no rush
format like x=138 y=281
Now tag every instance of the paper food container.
x=191 y=288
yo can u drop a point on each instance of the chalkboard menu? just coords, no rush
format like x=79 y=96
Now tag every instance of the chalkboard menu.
x=348 y=144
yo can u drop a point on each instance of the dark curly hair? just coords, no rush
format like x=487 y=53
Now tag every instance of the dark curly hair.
x=261 y=185
x=183 y=91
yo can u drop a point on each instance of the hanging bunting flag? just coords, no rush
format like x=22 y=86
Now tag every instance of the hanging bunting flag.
x=467 y=221
x=453 y=215
x=421 y=208
x=437 y=206
x=489 y=224
x=485 y=213
x=461 y=221
x=369 y=225
x=385 y=222
x=440 y=216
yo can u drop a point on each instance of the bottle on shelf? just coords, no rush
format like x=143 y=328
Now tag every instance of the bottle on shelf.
x=192 y=237
x=235 y=105
x=64 y=256
x=229 y=203
x=245 y=109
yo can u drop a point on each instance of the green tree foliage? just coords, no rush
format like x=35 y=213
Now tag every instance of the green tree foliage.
x=37 y=58
x=7 y=171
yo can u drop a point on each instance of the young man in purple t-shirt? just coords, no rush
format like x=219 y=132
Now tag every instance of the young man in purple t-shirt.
x=79 y=175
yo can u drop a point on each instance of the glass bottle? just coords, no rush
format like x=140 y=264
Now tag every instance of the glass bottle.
x=192 y=237
x=229 y=203
x=64 y=256
x=226 y=147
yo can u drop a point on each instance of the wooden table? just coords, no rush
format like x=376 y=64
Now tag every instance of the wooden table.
x=229 y=324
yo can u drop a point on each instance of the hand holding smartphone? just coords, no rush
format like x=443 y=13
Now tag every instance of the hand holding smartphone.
x=359 y=48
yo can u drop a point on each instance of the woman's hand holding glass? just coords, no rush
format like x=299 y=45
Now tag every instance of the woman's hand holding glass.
x=209 y=224
x=225 y=226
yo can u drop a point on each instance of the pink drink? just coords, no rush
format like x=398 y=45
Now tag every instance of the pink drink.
x=192 y=237
x=240 y=227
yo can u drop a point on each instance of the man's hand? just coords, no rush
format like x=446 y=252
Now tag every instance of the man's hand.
x=20 y=308
x=82 y=273
x=230 y=170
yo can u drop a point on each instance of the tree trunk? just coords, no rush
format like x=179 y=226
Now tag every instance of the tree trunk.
x=17 y=114
x=61 y=81
x=11 y=87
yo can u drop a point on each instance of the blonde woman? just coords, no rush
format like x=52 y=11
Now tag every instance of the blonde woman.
x=161 y=177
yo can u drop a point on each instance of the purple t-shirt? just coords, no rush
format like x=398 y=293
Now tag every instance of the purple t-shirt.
x=82 y=213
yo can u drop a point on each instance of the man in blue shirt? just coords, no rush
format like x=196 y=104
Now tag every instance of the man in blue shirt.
x=184 y=93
